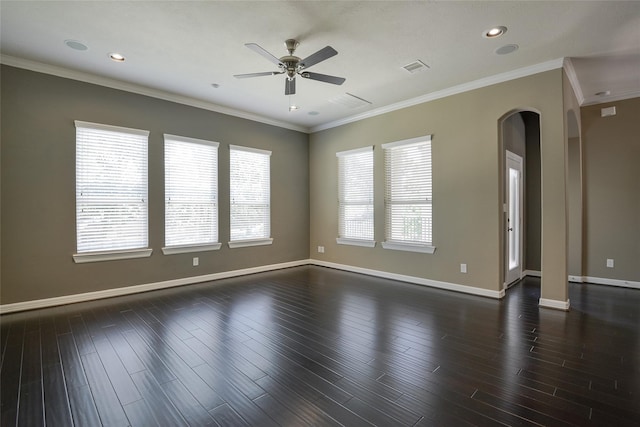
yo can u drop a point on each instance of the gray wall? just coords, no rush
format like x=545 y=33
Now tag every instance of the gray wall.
x=467 y=200
x=38 y=186
x=612 y=190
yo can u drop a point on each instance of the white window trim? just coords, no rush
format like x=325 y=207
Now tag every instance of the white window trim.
x=199 y=247
x=355 y=151
x=408 y=247
x=110 y=128
x=118 y=254
x=191 y=140
x=253 y=242
x=349 y=240
x=249 y=149
x=172 y=250
x=248 y=243
x=111 y=255
x=407 y=142
x=356 y=242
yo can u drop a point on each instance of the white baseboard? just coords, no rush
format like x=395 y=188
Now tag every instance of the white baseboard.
x=611 y=282
x=127 y=290
x=594 y=280
x=552 y=303
x=412 y=279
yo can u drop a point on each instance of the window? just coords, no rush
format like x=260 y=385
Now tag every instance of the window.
x=111 y=192
x=250 y=196
x=355 y=197
x=191 y=195
x=408 y=195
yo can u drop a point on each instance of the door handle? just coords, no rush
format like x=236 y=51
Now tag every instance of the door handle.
x=509 y=229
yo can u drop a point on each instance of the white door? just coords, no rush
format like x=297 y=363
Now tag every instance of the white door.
x=513 y=209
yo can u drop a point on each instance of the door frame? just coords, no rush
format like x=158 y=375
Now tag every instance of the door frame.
x=515 y=274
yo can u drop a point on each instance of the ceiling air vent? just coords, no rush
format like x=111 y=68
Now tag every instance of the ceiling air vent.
x=416 y=67
x=350 y=101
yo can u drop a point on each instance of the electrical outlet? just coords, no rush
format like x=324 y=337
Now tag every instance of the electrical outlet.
x=609 y=262
x=320 y=249
x=196 y=261
x=463 y=268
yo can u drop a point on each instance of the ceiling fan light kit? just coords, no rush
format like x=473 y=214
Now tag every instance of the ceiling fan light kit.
x=293 y=66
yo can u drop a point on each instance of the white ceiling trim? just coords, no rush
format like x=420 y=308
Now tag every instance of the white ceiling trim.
x=140 y=90
x=454 y=90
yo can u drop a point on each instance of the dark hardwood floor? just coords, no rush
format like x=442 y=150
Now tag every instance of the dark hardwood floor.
x=315 y=346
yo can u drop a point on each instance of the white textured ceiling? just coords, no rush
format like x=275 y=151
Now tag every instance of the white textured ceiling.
x=181 y=48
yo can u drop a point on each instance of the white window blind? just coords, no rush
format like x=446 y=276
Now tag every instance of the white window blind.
x=191 y=191
x=111 y=188
x=250 y=193
x=408 y=191
x=355 y=195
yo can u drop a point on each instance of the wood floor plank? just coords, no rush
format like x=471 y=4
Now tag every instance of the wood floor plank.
x=298 y=400
x=225 y=416
x=83 y=407
x=71 y=363
x=11 y=373
x=193 y=412
x=240 y=402
x=278 y=412
x=118 y=375
x=106 y=401
x=163 y=409
x=56 y=400
x=140 y=414
x=153 y=362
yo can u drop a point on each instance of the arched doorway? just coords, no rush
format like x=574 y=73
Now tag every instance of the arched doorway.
x=521 y=195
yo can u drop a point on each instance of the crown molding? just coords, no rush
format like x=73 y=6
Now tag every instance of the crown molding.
x=454 y=90
x=140 y=90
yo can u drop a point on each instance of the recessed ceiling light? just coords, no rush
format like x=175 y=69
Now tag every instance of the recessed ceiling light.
x=313 y=113
x=293 y=107
x=506 y=49
x=75 y=44
x=494 y=32
x=116 y=57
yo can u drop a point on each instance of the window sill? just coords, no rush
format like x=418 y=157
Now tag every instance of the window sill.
x=409 y=247
x=172 y=250
x=247 y=243
x=111 y=255
x=356 y=242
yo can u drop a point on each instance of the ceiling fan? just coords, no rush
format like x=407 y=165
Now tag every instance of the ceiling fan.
x=292 y=65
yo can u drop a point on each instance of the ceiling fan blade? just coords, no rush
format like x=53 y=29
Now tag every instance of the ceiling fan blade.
x=289 y=86
x=256 y=48
x=323 y=78
x=324 y=53
x=266 y=73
